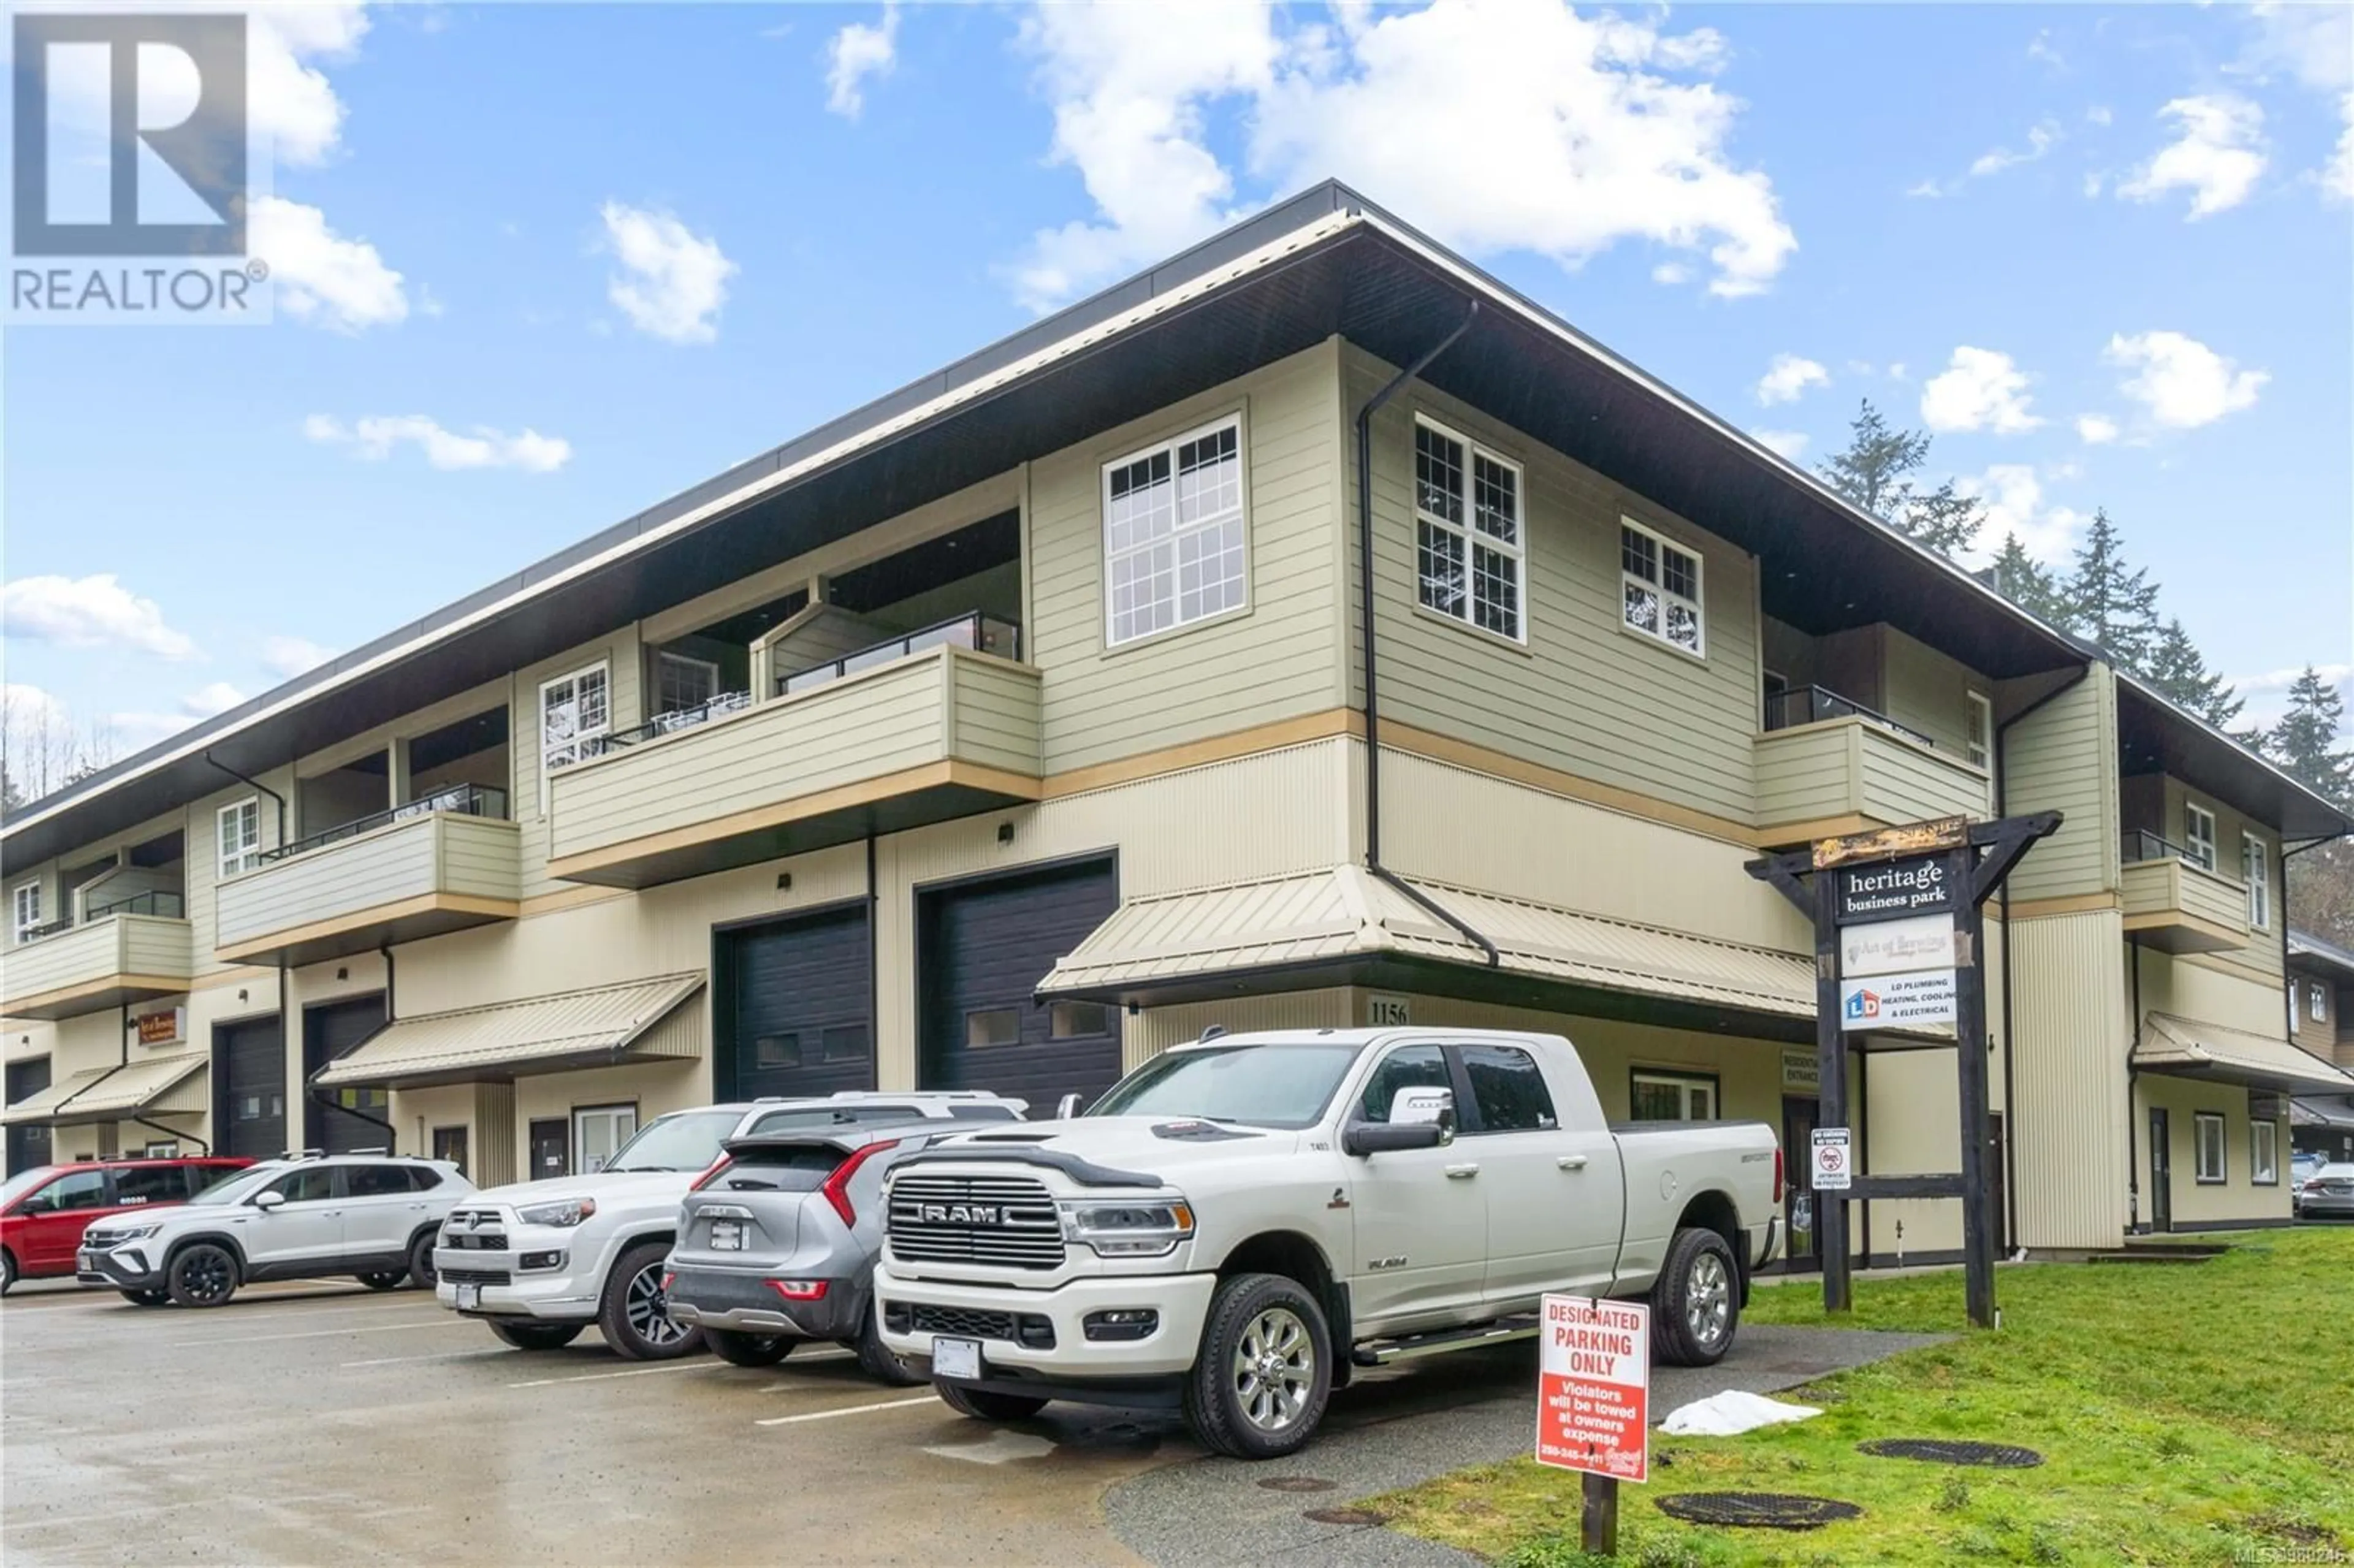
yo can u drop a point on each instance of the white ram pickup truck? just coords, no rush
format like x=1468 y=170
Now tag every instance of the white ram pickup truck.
x=1241 y=1222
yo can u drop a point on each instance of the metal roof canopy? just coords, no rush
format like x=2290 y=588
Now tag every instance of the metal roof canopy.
x=118 y=1093
x=1322 y=263
x=2182 y=1047
x=2321 y=953
x=499 y=1042
x=2156 y=737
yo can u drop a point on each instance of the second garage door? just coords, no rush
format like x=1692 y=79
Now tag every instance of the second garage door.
x=250 y=1068
x=800 y=1002
x=982 y=948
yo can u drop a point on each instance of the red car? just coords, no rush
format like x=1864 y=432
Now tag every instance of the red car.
x=44 y=1210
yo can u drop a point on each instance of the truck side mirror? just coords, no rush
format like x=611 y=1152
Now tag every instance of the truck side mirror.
x=1363 y=1138
x=1413 y=1106
x=1066 y=1107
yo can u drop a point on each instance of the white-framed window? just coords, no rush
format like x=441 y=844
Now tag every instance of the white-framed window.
x=2256 y=870
x=2207 y=1133
x=1660 y=588
x=2263 y=1153
x=574 y=710
x=2316 y=1002
x=1175 y=550
x=2198 y=835
x=1469 y=545
x=1671 y=1097
x=27 y=908
x=683 y=684
x=239 y=836
x=597 y=1134
x=1977 y=729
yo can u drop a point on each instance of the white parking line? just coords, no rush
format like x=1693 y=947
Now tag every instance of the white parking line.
x=444 y=1356
x=849 y=1410
x=316 y=1334
x=600 y=1377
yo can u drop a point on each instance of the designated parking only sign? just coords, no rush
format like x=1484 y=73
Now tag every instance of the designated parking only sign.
x=1593 y=1387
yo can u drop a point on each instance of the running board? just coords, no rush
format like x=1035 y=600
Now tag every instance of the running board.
x=1407 y=1347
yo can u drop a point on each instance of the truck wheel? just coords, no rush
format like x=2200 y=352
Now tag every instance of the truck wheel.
x=202 y=1276
x=1696 y=1301
x=635 y=1314
x=742 y=1349
x=537 y=1336
x=1259 y=1384
x=875 y=1357
x=983 y=1405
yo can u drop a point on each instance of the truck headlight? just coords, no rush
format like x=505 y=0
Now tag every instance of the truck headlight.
x=1152 y=1228
x=569 y=1212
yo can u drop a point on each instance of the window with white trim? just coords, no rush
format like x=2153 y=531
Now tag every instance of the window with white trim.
x=27 y=908
x=2207 y=1128
x=2198 y=835
x=1977 y=729
x=1175 y=551
x=2316 y=1002
x=239 y=836
x=2256 y=871
x=2263 y=1153
x=1660 y=588
x=1671 y=1097
x=682 y=683
x=1468 y=545
x=574 y=710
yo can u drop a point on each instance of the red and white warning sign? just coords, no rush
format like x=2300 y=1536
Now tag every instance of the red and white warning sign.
x=1593 y=1387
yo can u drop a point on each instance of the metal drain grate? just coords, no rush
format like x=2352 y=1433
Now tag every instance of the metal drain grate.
x=1758 y=1510
x=1949 y=1451
x=1348 y=1516
x=1298 y=1484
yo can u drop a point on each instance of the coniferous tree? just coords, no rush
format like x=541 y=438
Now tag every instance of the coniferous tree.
x=2177 y=669
x=2306 y=740
x=2028 y=583
x=2115 y=606
x=1876 y=473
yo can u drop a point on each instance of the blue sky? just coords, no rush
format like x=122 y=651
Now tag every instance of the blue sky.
x=541 y=265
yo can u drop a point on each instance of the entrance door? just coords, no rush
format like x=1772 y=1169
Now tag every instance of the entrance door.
x=2161 y=1172
x=357 y=1118
x=1799 y=1115
x=449 y=1144
x=551 y=1149
x=28 y=1145
x=598 y=1132
x=800 y=1010
x=250 y=1066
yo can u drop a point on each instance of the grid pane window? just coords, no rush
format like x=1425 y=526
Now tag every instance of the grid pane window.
x=1671 y=1097
x=684 y=683
x=1468 y=549
x=1173 y=544
x=29 y=907
x=1660 y=589
x=2199 y=836
x=573 y=712
x=2255 y=869
x=240 y=837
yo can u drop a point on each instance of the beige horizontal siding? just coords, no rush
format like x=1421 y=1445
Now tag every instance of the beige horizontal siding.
x=2064 y=757
x=478 y=857
x=996 y=711
x=116 y=945
x=441 y=852
x=1923 y=689
x=1852 y=766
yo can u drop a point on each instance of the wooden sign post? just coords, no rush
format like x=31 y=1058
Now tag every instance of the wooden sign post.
x=1898 y=945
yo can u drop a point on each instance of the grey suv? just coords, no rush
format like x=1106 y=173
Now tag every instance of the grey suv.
x=777 y=1244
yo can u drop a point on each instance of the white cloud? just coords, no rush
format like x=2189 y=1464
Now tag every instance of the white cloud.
x=2040 y=140
x=2182 y=382
x=287 y=657
x=320 y=277
x=672 y=281
x=375 y=437
x=1499 y=124
x=95 y=612
x=2217 y=158
x=2338 y=179
x=213 y=697
x=288 y=97
x=2096 y=430
x=1787 y=377
x=2099 y=114
x=1928 y=188
x=1979 y=389
x=1786 y=443
x=857 y=52
x=139 y=729
x=1671 y=273
x=2015 y=503
x=2313 y=43
x=2041 y=48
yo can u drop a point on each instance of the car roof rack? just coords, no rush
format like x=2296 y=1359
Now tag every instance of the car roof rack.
x=301 y=1154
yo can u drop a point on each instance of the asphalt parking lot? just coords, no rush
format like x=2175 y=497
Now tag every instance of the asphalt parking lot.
x=323 y=1423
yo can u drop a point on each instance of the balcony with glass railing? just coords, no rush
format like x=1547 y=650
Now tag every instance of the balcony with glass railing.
x=444 y=862
x=1827 y=764
x=2175 y=901
x=938 y=722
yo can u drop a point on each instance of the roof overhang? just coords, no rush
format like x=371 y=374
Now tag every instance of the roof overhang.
x=2312 y=953
x=1326 y=263
x=2337 y=1114
x=633 y=1021
x=2153 y=735
x=154 y=1086
x=2194 y=1048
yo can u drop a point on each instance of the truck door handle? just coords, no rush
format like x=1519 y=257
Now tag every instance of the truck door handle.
x=1458 y=1173
x=1572 y=1162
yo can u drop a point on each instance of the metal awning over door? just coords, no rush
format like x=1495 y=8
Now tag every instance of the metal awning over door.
x=599 y=1026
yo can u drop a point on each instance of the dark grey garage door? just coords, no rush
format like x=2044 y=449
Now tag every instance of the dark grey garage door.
x=250 y=1066
x=355 y=1119
x=801 y=1007
x=982 y=948
x=28 y=1145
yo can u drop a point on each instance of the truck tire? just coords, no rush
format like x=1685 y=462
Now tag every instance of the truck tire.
x=875 y=1357
x=634 y=1316
x=537 y=1336
x=983 y=1405
x=1696 y=1301
x=741 y=1350
x=421 y=1261
x=1263 y=1372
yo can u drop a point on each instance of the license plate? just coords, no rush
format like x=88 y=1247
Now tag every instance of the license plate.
x=469 y=1295
x=726 y=1236
x=955 y=1358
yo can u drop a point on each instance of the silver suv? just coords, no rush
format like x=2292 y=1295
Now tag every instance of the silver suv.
x=300 y=1216
x=777 y=1244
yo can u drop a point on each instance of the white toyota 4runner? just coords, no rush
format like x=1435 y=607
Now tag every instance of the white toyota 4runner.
x=1241 y=1222
x=540 y=1261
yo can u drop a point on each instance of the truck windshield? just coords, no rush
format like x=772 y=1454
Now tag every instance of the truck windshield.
x=1263 y=1085
x=688 y=1140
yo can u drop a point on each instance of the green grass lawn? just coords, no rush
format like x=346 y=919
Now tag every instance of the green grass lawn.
x=2187 y=1414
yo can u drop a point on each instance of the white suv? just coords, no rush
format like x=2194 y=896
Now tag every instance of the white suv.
x=301 y=1217
x=540 y=1261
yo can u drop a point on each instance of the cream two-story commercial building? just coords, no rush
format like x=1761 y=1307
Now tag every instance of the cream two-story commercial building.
x=1008 y=729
